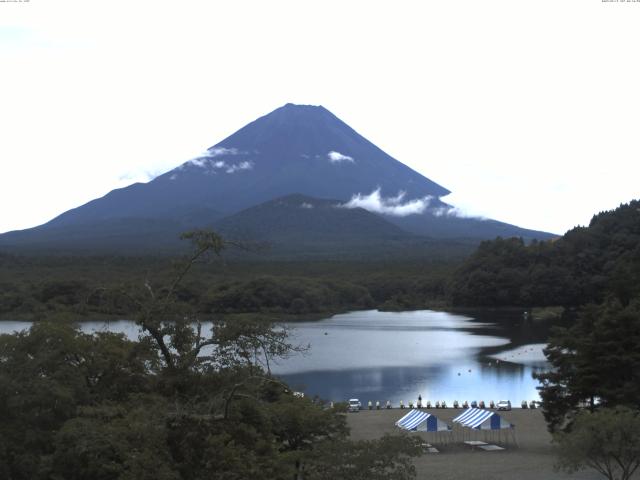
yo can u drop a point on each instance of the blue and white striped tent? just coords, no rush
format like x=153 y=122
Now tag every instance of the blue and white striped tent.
x=479 y=419
x=419 y=421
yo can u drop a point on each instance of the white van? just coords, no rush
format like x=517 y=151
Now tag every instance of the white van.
x=354 y=405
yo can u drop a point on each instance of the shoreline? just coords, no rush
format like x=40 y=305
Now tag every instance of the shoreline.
x=474 y=312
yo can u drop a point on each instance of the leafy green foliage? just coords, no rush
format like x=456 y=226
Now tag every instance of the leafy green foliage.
x=607 y=441
x=115 y=441
x=597 y=360
x=48 y=374
x=286 y=295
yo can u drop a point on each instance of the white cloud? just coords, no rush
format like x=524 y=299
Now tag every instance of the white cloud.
x=306 y=205
x=138 y=176
x=217 y=151
x=239 y=166
x=199 y=162
x=397 y=200
x=337 y=157
x=374 y=202
x=454 y=212
x=205 y=160
x=395 y=206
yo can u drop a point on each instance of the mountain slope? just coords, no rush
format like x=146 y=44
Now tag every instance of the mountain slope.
x=298 y=226
x=294 y=149
x=302 y=218
x=452 y=226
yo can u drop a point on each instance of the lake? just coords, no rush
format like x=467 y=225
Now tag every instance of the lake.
x=395 y=356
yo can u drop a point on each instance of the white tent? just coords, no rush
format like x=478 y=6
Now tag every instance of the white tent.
x=481 y=420
x=485 y=420
x=419 y=421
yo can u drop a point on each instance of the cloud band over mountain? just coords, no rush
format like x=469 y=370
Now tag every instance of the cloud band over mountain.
x=375 y=202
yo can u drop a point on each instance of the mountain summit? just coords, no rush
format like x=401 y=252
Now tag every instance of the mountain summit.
x=296 y=149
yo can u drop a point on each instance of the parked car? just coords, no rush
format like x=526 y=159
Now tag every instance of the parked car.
x=354 y=405
x=474 y=404
x=504 y=405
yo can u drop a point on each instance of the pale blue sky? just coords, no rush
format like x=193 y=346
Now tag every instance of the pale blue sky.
x=527 y=111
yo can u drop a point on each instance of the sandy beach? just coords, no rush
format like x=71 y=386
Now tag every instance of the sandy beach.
x=532 y=459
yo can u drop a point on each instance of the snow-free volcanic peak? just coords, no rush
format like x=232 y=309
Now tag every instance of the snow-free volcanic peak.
x=296 y=148
x=301 y=149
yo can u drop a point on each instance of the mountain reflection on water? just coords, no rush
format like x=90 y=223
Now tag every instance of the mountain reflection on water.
x=395 y=356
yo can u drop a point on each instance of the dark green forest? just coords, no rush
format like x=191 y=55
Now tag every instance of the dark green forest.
x=583 y=266
x=37 y=287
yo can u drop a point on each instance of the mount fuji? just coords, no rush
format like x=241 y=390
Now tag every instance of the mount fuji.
x=295 y=150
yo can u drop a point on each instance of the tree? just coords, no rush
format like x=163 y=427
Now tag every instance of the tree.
x=116 y=441
x=47 y=375
x=607 y=440
x=595 y=363
x=169 y=324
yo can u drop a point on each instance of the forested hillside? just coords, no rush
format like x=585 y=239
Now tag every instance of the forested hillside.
x=583 y=266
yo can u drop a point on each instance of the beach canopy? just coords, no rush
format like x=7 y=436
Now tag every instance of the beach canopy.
x=419 y=421
x=481 y=420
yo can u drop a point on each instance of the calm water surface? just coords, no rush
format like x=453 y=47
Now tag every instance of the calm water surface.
x=395 y=356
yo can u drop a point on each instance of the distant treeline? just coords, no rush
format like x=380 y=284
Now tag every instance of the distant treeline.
x=89 y=287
